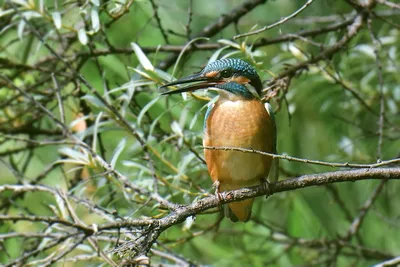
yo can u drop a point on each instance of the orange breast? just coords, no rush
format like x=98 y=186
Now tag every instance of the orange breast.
x=244 y=124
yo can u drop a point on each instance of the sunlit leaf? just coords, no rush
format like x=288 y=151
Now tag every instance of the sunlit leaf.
x=163 y=75
x=117 y=152
x=232 y=53
x=82 y=36
x=176 y=128
x=229 y=43
x=144 y=74
x=133 y=164
x=94 y=14
x=21 y=27
x=144 y=61
x=22 y=3
x=95 y=130
x=368 y=50
x=5 y=12
x=94 y=100
x=188 y=223
x=57 y=19
x=296 y=52
x=346 y=144
x=74 y=155
x=258 y=53
x=216 y=54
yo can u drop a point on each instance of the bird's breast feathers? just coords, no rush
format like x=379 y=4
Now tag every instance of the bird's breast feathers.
x=241 y=124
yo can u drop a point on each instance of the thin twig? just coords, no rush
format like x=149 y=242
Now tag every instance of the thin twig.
x=308 y=161
x=285 y=19
x=381 y=93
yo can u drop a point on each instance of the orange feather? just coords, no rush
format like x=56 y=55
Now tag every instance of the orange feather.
x=244 y=124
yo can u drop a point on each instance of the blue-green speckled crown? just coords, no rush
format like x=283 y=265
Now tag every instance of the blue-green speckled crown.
x=237 y=67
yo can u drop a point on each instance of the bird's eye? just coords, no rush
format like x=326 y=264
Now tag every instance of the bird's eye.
x=226 y=73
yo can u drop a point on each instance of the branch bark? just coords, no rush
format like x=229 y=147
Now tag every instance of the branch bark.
x=159 y=225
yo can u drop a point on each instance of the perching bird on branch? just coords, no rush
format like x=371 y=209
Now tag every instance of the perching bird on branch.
x=237 y=119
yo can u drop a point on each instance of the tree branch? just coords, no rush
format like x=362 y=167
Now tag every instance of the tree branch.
x=159 y=225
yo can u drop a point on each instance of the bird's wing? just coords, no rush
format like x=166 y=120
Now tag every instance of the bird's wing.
x=210 y=106
x=274 y=172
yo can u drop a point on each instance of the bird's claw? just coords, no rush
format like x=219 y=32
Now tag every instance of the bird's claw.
x=267 y=187
x=218 y=194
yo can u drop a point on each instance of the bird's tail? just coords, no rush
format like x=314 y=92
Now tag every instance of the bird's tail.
x=239 y=211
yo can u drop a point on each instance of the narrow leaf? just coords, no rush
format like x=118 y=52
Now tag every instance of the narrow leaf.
x=176 y=128
x=128 y=163
x=145 y=109
x=232 y=53
x=94 y=14
x=74 y=155
x=144 y=61
x=184 y=49
x=93 y=100
x=229 y=43
x=95 y=130
x=215 y=56
x=117 y=152
x=82 y=36
x=57 y=19
x=20 y=30
x=144 y=74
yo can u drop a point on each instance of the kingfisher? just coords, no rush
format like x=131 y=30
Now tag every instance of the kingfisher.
x=237 y=119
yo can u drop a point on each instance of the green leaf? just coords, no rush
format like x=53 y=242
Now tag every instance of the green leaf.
x=184 y=49
x=145 y=109
x=176 y=128
x=229 y=43
x=144 y=74
x=5 y=12
x=117 y=152
x=94 y=100
x=164 y=75
x=231 y=54
x=22 y=3
x=95 y=130
x=74 y=156
x=82 y=36
x=129 y=163
x=94 y=14
x=57 y=19
x=20 y=30
x=144 y=61
x=216 y=54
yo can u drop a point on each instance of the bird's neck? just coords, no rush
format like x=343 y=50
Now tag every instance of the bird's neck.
x=230 y=96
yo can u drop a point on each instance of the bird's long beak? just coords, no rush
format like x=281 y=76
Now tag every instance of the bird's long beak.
x=200 y=82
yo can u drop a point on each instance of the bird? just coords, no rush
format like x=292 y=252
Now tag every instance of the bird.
x=237 y=119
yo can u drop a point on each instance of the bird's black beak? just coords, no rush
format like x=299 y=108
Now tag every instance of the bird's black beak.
x=200 y=82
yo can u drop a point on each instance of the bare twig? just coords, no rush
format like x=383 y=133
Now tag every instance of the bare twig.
x=285 y=19
x=317 y=162
x=213 y=28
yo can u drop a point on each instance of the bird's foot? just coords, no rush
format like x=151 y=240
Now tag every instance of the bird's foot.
x=218 y=194
x=267 y=187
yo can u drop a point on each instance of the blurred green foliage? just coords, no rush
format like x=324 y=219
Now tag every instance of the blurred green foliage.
x=317 y=119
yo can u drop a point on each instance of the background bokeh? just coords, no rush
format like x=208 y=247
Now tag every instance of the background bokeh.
x=342 y=108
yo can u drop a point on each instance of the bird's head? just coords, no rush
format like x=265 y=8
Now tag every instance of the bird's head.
x=230 y=74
